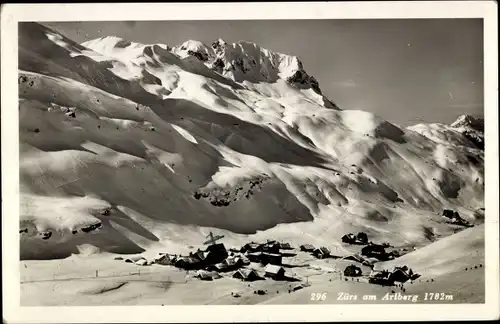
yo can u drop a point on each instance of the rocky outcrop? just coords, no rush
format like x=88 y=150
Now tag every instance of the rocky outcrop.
x=472 y=128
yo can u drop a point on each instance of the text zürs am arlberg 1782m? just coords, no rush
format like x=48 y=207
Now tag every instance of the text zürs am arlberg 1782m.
x=342 y=296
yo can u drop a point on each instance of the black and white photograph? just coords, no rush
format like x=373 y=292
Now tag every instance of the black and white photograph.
x=223 y=161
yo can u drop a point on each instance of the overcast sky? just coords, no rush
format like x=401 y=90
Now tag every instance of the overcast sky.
x=405 y=71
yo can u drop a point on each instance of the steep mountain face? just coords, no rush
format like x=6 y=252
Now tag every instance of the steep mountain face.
x=468 y=121
x=126 y=147
x=245 y=61
x=471 y=128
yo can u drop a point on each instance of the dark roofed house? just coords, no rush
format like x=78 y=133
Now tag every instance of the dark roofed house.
x=136 y=259
x=207 y=275
x=380 y=278
x=275 y=272
x=353 y=257
x=285 y=246
x=232 y=263
x=349 y=238
x=219 y=247
x=271 y=258
x=307 y=248
x=397 y=275
x=255 y=256
x=165 y=259
x=374 y=250
x=362 y=238
x=247 y=275
x=188 y=263
x=251 y=247
x=401 y=274
x=271 y=247
x=321 y=252
x=352 y=271
x=219 y=267
x=216 y=253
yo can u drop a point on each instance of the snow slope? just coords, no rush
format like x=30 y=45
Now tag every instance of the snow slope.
x=177 y=141
x=453 y=266
x=442 y=266
x=450 y=255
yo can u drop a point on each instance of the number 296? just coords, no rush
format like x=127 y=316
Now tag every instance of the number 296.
x=318 y=296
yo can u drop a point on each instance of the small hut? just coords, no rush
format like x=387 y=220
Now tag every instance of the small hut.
x=207 y=275
x=254 y=256
x=380 y=278
x=250 y=247
x=246 y=275
x=374 y=250
x=285 y=246
x=362 y=238
x=352 y=271
x=321 y=252
x=165 y=259
x=354 y=257
x=271 y=258
x=135 y=259
x=307 y=248
x=232 y=263
x=402 y=274
x=188 y=263
x=349 y=238
x=270 y=247
x=275 y=272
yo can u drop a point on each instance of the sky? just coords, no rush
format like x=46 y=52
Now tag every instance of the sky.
x=406 y=71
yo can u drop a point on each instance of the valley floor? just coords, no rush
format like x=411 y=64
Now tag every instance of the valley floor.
x=73 y=282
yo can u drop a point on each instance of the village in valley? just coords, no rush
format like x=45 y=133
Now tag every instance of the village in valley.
x=273 y=260
x=269 y=268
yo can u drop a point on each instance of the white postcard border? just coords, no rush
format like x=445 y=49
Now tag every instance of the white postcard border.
x=13 y=13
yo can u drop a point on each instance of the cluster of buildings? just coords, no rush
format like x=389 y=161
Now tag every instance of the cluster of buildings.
x=360 y=238
x=378 y=252
x=370 y=250
x=265 y=253
x=210 y=263
x=215 y=260
x=320 y=253
x=397 y=275
x=372 y=253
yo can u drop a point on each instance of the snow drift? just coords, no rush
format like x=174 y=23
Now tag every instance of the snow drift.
x=126 y=146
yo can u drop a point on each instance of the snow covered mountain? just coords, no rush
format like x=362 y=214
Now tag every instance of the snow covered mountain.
x=472 y=129
x=468 y=121
x=126 y=147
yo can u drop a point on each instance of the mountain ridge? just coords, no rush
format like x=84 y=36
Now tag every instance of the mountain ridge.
x=239 y=61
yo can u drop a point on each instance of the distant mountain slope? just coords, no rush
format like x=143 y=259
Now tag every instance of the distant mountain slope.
x=466 y=131
x=126 y=147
